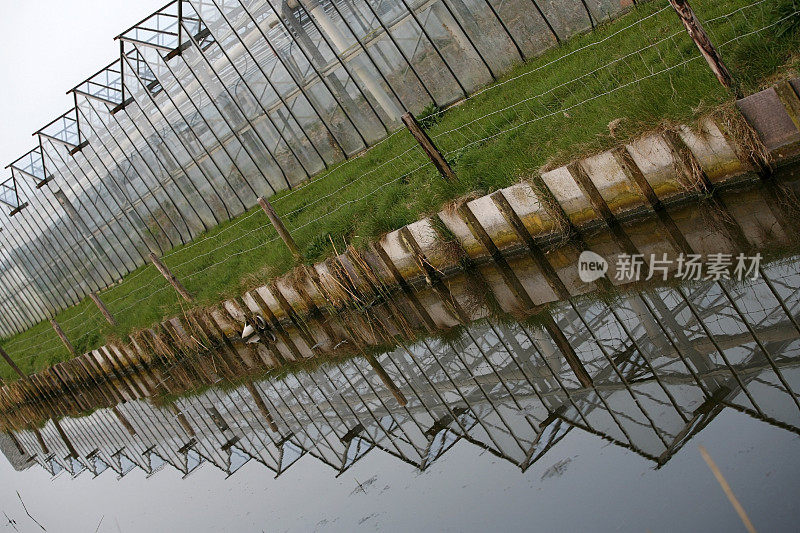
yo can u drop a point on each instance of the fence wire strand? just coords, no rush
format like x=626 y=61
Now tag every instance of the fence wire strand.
x=590 y=82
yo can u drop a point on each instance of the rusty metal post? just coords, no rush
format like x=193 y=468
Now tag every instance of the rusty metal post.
x=177 y=285
x=277 y=223
x=63 y=336
x=103 y=309
x=430 y=149
x=704 y=44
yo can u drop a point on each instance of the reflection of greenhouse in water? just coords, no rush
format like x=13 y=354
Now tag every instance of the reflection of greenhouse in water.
x=652 y=370
x=212 y=104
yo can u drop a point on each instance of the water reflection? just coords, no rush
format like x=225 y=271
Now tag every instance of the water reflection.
x=646 y=372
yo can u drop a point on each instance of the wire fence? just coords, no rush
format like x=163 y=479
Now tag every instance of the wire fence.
x=157 y=151
x=517 y=114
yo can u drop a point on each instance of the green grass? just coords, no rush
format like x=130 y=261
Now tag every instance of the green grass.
x=393 y=183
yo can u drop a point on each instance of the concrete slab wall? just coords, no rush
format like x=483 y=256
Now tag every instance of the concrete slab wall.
x=519 y=246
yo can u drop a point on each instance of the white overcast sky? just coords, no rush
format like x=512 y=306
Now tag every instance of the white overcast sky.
x=48 y=47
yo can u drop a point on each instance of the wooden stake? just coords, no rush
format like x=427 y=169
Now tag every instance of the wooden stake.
x=177 y=285
x=434 y=154
x=181 y=418
x=384 y=377
x=262 y=407
x=16 y=442
x=10 y=362
x=63 y=336
x=23 y=377
x=63 y=434
x=103 y=309
x=704 y=44
x=41 y=441
x=277 y=223
x=569 y=354
x=124 y=421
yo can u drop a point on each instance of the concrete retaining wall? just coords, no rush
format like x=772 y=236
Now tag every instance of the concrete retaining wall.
x=678 y=191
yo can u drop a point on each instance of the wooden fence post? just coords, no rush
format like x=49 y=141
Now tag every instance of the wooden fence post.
x=568 y=352
x=40 y=440
x=10 y=362
x=63 y=336
x=103 y=309
x=386 y=379
x=277 y=223
x=262 y=407
x=177 y=285
x=123 y=420
x=707 y=48
x=54 y=418
x=430 y=149
x=63 y=434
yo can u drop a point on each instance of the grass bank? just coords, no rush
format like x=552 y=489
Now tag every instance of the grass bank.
x=594 y=91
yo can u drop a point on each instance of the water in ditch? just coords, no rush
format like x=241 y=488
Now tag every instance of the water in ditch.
x=650 y=408
x=498 y=430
